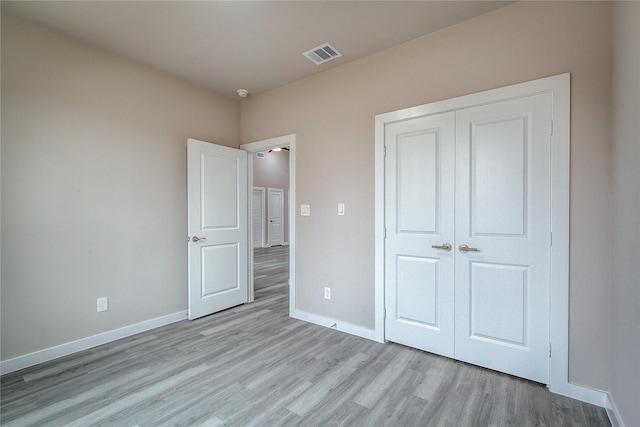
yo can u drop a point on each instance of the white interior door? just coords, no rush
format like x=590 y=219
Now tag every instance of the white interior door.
x=275 y=207
x=258 y=216
x=479 y=180
x=420 y=229
x=503 y=211
x=217 y=217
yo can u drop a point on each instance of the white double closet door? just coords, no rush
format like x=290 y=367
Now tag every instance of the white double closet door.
x=467 y=249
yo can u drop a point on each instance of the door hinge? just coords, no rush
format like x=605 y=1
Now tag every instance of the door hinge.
x=385 y=150
x=385 y=314
x=549 y=349
x=384 y=233
x=551 y=239
x=551 y=130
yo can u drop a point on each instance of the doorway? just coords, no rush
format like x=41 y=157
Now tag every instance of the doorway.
x=286 y=144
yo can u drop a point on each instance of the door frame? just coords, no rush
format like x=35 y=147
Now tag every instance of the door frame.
x=283 y=222
x=559 y=88
x=288 y=141
x=262 y=191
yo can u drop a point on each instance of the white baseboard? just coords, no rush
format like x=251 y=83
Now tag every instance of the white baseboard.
x=580 y=392
x=612 y=412
x=574 y=391
x=338 y=325
x=21 y=362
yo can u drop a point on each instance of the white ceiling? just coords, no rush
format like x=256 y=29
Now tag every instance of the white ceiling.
x=256 y=45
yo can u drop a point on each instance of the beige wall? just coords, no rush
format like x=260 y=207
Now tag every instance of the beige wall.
x=93 y=187
x=625 y=387
x=272 y=171
x=333 y=116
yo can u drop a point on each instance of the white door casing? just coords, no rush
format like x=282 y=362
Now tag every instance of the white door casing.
x=502 y=208
x=218 y=227
x=275 y=224
x=420 y=226
x=258 y=216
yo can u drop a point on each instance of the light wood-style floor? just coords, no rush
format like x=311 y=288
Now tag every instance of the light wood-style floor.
x=254 y=366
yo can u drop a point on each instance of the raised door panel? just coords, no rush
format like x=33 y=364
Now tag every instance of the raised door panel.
x=498 y=303
x=417 y=291
x=499 y=177
x=417 y=182
x=219 y=178
x=219 y=269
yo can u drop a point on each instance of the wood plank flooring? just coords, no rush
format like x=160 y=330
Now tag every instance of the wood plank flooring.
x=254 y=366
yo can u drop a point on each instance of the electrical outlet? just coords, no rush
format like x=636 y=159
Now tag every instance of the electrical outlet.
x=327 y=293
x=103 y=304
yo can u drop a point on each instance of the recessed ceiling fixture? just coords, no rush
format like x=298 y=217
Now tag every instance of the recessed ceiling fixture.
x=323 y=53
x=242 y=93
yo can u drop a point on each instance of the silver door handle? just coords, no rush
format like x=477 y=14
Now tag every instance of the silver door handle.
x=196 y=238
x=464 y=249
x=445 y=247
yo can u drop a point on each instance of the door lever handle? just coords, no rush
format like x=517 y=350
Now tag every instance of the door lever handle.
x=464 y=249
x=445 y=247
x=196 y=238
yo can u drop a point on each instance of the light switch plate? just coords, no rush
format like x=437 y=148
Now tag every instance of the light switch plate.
x=340 y=208
x=102 y=304
x=305 y=210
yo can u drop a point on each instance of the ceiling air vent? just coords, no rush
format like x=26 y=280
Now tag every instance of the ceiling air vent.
x=322 y=54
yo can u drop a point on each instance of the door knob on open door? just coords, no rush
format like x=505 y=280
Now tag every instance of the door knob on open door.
x=196 y=238
x=445 y=247
x=464 y=249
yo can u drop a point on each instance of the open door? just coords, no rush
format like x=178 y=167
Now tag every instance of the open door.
x=218 y=227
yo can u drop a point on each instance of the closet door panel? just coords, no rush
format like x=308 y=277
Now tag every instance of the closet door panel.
x=419 y=219
x=503 y=217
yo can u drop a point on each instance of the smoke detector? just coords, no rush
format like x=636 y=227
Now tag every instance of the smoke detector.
x=243 y=93
x=323 y=53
